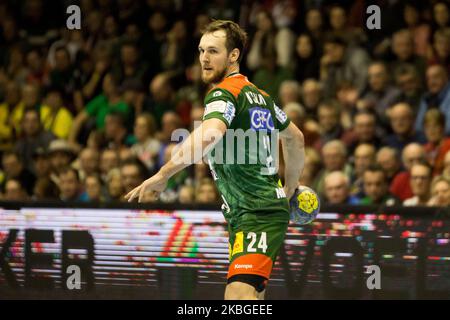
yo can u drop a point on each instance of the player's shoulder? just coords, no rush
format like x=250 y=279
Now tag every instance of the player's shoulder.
x=231 y=86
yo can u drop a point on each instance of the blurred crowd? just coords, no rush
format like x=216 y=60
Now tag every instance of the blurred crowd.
x=87 y=115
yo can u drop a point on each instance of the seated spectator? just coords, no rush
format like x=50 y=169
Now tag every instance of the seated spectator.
x=439 y=51
x=311 y=168
x=54 y=116
x=329 y=115
x=337 y=189
x=132 y=173
x=421 y=175
x=12 y=99
x=401 y=186
x=289 y=92
x=401 y=118
x=114 y=185
x=438 y=144
x=109 y=160
x=364 y=130
x=388 y=158
x=45 y=189
x=334 y=156
x=446 y=170
x=170 y=122
x=307 y=58
x=93 y=189
x=380 y=94
x=41 y=161
x=14 y=168
x=30 y=99
x=186 y=195
x=14 y=191
x=311 y=96
x=88 y=162
x=408 y=81
x=440 y=189
x=33 y=137
x=69 y=185
x=419 y=30
x=342 y=63
x=62 y=74
x=175 y=182
x=116 y=134
x=376 y=188
x=363 y=158
x=162 y=97
x=437 y=96
x=130 y=66
x=61 y=156
x=147 y=146
x=98 y=108
x=403 y=50
x=206 y=192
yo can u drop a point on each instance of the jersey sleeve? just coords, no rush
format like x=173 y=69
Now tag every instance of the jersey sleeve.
x=220 y=104
x=282 y=120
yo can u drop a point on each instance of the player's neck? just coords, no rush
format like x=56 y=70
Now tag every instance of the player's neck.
x=231 y=72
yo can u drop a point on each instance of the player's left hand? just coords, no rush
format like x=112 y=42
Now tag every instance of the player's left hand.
x=155 y=184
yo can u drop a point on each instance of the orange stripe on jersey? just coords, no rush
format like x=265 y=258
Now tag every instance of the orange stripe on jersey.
x=233 y=84
x=264 y=93
x=253 y=263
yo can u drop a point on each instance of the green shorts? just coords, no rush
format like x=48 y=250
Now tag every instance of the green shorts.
x=254 y=244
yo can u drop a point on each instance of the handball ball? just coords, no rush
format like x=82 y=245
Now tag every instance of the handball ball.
x=305 y=205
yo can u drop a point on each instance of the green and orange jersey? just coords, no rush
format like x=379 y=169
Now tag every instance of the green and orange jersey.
x=249 y=189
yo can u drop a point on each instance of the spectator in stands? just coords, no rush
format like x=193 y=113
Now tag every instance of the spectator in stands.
x=14 y=191
x=403 y=50
x=130 y=66
x=364 y=130
x=93 y=189
x=14 y=168
x=439 y=52
x=421 y=175
x=268 y=42
x=162 y=97
x=340 y=27
x=41 y=163
x=388 y=159
x=69 y=185
x=314 y=25
x=109 y=101
x=401 y=186
x=147 y=146
x=61 y=156
x=54 y=116
x=329 y=115
x=446 y=170
x=62 y=74
x=170 y=122
x=341 y=63
x=33 y=137
x=440 y=189
x=438 y=144
x=109 y=160
x=45 y=190
x=133 y=173
x=186 y=195
x=307 y=59
x=401 y=118
x=88 y=162
x=38 y=72
x=363 y=158
x=289 y=92
x=380 y=94
x=114 y=185
x=376 y=188
x=311 y=96
x=334 y=156
x=30 y=99
x=311 y=169
x=419 y=31
x=408 y=81
x=437 y=96
x=116 y=134
x=337 y=189
x=206 y=192
x=441 y=14
x=11 y=102
x=175 y=182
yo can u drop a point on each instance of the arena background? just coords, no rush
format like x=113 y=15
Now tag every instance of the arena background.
x=86 y=115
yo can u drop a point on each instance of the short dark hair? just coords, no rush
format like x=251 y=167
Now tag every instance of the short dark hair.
x=377 y=168
x=236 y=36
x=69 y=169
x=143 y=171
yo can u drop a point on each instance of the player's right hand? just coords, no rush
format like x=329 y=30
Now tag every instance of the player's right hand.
x=155 y=184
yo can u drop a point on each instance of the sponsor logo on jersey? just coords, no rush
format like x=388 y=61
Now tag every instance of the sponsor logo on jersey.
x=229 y=113
x=261 y=119
x=281 y=116
x=217 y=94
x=226 y=108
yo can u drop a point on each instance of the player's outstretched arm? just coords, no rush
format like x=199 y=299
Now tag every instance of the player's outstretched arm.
x=191 y=151
x=293 y=144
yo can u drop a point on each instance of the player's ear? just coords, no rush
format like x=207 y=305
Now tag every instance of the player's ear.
x=234 y=55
